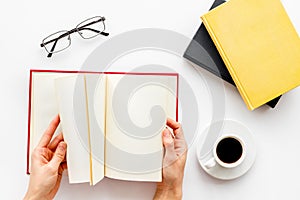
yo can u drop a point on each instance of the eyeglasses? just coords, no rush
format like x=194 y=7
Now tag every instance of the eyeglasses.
x=61 y=40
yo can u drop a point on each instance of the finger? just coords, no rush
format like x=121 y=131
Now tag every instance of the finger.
x=173 y=124
x=59 y=155
x=179 y=134
x=53 y=144
x=168 y=142
x=64 y=165
x=46 y=138
x=59 y=177
x=177 y=129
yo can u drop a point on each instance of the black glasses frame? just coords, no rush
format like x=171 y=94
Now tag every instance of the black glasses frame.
x=78 y=28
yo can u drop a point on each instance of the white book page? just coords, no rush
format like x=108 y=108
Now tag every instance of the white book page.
x=72 y=110
x=137 y=107
x=96 y=93
x=43 y=105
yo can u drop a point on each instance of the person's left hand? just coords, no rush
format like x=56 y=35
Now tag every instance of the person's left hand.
x=47 y=164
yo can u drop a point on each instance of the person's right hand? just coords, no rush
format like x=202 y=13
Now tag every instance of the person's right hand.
x=173 y=163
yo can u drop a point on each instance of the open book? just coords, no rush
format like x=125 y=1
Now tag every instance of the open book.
x=111 y=122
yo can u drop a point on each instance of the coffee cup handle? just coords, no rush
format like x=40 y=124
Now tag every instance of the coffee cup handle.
x=210 y=163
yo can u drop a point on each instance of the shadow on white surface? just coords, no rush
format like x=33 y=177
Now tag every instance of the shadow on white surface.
x=106 y=189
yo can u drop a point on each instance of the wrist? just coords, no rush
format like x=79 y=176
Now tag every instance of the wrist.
x=33 y=196
x=30 y=197
x=168 y=192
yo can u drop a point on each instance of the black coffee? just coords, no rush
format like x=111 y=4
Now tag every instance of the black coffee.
x=229 y=150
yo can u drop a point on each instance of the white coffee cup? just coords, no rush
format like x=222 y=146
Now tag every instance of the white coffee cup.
x=228 y=151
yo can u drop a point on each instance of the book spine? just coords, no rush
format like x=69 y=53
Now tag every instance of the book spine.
x=29 y=124
x=227 y=63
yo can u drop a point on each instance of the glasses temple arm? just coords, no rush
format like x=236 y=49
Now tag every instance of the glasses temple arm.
x=93 y=22
x=52 y=49
x=94 y=30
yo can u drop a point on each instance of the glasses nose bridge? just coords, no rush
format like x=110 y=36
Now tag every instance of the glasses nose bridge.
x=72 y=31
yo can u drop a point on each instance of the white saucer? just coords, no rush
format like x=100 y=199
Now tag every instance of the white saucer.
x=207 y=140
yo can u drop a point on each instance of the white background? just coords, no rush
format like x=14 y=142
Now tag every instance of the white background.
x=23 y=24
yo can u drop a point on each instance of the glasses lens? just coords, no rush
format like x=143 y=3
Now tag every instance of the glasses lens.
x=57 y=42
x=91 y=27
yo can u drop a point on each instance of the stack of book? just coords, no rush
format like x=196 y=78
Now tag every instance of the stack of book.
x=253 y=45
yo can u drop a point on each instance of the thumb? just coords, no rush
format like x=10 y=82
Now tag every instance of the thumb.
x=59 y=155
x=168 y=142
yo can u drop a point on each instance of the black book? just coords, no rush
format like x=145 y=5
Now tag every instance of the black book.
x=203 y=52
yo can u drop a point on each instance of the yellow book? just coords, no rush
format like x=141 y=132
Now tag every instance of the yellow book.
x=259 y=46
